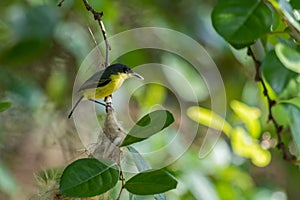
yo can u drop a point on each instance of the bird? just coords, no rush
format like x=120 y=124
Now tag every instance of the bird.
x=103 y=83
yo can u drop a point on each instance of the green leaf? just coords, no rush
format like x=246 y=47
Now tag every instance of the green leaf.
x=289 y=57
x=295 y=101
x=294 y=120
x=241 y=23
x=279 y=114
x=275 y=73
x=143 y=165
x=88 y=177
x=149 y=125
x=4 y=106
x=151 y=182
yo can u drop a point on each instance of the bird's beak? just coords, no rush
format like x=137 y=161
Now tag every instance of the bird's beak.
x=137 y=75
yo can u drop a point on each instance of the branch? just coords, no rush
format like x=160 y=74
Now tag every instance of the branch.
x=98 y=17
x=122 y=182
x=271 y=103
x=108 y=146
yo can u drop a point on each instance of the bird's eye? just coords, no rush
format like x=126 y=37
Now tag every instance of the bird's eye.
x=125 y=70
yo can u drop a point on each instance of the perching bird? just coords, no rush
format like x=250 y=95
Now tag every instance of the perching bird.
x=103 y=83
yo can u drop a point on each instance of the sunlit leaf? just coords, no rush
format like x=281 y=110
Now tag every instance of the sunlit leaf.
x=88 y=177
x=209 y=118
x=241 y=23
x=148 y=125
x=289 y=57
x=247 y=147
x=151 y=182
x=4 y=106
x=249 y=115
x=150 y=95
x=56 y=85
x=275 y=72
x=260 y=157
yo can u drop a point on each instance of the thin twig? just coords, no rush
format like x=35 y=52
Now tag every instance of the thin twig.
x=60 y=3
x=271 y=103
x=98 y=17
x=122 y=182
x=95 y=41
x=107 y=46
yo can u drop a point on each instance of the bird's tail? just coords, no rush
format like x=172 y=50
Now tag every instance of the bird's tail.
x=78 y=101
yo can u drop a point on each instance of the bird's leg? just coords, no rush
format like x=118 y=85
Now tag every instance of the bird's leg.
x=98 y=102
x=108 y=101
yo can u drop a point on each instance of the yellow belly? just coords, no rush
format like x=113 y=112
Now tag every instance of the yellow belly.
x=104 y=91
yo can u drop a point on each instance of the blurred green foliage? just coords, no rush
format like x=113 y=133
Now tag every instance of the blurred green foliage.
x=244 y=141
x=42 y=47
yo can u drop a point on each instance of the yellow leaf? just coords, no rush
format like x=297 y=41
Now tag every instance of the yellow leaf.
x=249 y=115
x=244 y=145
x=210 y=119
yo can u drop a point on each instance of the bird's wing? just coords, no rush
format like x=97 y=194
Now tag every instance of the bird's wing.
x=97 y=80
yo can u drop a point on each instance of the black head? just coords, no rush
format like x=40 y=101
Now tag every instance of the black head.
x=118 y=68
x=121 y=69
